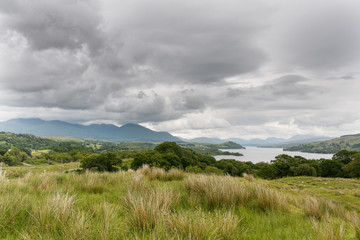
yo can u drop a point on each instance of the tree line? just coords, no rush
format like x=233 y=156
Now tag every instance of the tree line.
x=170 y=155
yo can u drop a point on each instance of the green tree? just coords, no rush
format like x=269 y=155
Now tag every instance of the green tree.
x=353 y=168
x=265 y=170
x=101 y=162
x=330 y=168
x=14 y=157
x=343 y=156
x=282 y=164
x=304 y=170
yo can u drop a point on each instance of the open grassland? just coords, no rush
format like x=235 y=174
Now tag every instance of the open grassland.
x=46 y=203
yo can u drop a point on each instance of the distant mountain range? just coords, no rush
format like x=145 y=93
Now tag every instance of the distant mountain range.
x=268 y=142
x=133 y=132
x=127 y=132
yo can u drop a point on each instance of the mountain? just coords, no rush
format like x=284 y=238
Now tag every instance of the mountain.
x=296 y=140
x=205 y=140
x=347 y=142
x=127 y=132
x=258 y=142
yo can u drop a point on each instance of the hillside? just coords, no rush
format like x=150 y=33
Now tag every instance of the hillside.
x=348 y=142
x=128 y=132
x=10 y=140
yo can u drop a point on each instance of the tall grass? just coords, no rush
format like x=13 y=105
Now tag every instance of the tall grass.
x=216 y=191
x=355 y=221
x=326 y=230
x=145 y=210
x=198 y=225
x=248 y=177
x=226 y=191
x=313 y=207
x=270 y=199
x=130 y=205
x=161 y=174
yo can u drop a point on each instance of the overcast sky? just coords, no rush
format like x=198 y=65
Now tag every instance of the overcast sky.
x=230 y=68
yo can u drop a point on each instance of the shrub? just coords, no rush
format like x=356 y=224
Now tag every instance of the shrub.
x=101 y=162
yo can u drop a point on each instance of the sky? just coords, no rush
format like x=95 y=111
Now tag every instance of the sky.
x=230 y=68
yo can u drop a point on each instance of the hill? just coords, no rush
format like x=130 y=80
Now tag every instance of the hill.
x=23 y=141
x=127 y=132
x=348 y=142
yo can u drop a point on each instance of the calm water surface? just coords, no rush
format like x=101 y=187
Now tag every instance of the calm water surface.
x=255 y=154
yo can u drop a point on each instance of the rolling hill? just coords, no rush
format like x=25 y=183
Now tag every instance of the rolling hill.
x=347 y=142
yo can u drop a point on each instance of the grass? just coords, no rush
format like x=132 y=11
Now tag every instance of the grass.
x=160 y=174
x=153 y=204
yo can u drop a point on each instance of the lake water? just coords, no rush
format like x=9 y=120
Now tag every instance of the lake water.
x=255 y=155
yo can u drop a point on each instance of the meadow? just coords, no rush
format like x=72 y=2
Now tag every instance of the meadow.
x=51 y=202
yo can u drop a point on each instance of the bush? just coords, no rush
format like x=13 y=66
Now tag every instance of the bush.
x=304 y=170
x=101 y=162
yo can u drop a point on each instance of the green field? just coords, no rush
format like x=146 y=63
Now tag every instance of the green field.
x=44 y=202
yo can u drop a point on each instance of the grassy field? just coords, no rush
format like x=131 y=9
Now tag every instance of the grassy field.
x=40 y=202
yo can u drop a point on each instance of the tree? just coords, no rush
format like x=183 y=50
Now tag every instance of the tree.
x=330 y=168
x=14 y=157
x=282 y=164
x=353 y=168
x=344 y=156
x=304 y=170
x=102 y=162
x=3 y=150
x=266 y=170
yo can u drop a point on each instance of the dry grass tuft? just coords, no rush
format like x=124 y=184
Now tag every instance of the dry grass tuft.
x=58 y=207
x=355 y=220
x=335 y=208
x=217 y=191
x=357 y=193
x=198 y=225
x=144 y=170
x=327 y=231
x=91 y=182
x=3 y=178
x=314 y=207
x=270 y=199
x=248 y=177
x=145 y=210
x=161 y=174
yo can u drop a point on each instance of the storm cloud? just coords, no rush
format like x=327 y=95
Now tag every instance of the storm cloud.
x=194 y=68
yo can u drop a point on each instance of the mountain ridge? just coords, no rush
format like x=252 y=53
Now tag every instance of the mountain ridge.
x=127 y=132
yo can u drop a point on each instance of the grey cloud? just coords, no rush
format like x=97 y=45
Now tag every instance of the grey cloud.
x=321 y=36
x=189 y=100
x=163 y=61
x=55 y=24
x=289 y=86
x=198 y=43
